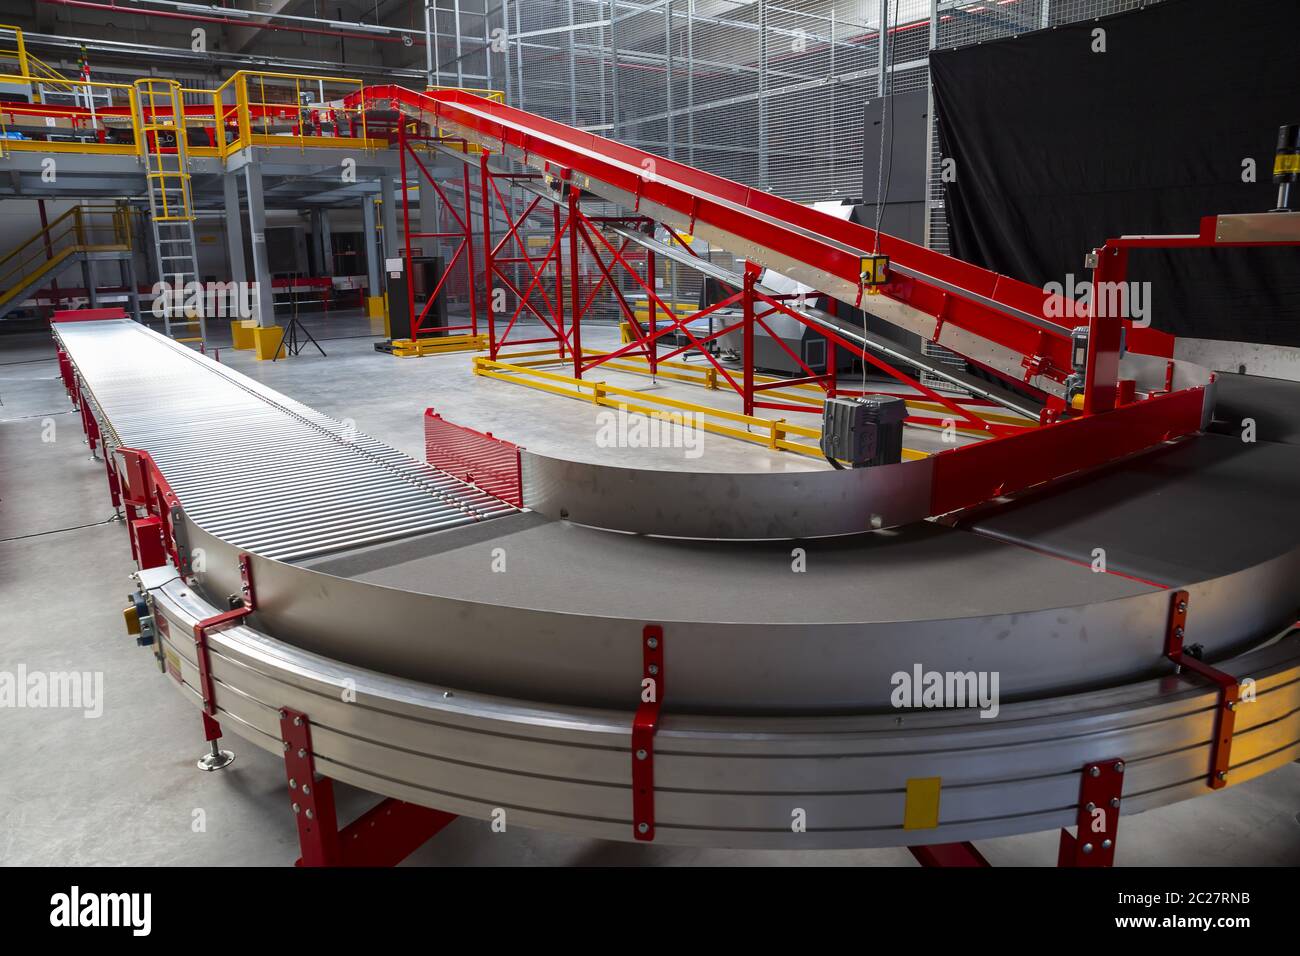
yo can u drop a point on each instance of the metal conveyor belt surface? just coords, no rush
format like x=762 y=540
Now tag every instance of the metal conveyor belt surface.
x=265 y=473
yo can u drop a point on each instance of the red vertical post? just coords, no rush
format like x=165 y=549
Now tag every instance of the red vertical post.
x=558 y=311
x=574 y=224
x=469 y=248
x=747 y=299
x=1101 y=379
x=49 y=248
x=1097 y=817
x=651 y=273
x=489 y=264
x=406 y=220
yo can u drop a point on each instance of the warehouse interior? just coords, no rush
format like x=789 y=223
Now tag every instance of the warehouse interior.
x=649 y=433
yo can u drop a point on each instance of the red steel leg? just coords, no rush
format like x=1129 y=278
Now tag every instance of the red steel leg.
x=385 y=835
x=948 y=854
x=1097 y=820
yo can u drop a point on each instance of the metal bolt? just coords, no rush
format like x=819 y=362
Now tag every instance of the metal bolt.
x=296 y=808
x=1119 y=766
x=652 y=642
x=1114 y=802
x=297 y=721
x=1182 y=607
x=643 y=828
x=293 y=784
x=1232 y=705
x=1087 y=848
x=1090 y=807
x=302 y=752
x=1178 y=631
x=286 y=745
x=1094 y=771
x=1105 y=844
x=1223 y=775
x=641 y=755
x=306 y=789
x=654 y=668
x=309 y=813
x=283 y=715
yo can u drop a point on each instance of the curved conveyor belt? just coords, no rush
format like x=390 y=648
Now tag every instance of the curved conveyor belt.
x=476 y=690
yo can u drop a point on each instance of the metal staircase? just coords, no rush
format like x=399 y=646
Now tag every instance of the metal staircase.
x=87 y=233
x=171 y=211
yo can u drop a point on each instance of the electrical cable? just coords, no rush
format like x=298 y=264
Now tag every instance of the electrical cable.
x=79 y=527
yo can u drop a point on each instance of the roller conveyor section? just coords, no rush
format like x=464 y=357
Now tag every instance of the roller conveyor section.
x=468 y=691
x=334 y=563
x=265 y=473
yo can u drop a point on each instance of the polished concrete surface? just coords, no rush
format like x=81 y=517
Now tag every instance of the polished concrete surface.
x=122 y=788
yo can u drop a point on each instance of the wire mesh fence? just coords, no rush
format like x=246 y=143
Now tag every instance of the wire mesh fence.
x=767 y=92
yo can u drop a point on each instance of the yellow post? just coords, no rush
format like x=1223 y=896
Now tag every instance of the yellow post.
x=268 y=342
x=241 y=334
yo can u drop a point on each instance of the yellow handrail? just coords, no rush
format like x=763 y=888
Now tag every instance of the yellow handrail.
x=152 y=113
x=20 y=51
x=250 y=97
x=74 y=231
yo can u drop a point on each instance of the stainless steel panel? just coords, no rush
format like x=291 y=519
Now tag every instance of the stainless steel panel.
x=728 y=504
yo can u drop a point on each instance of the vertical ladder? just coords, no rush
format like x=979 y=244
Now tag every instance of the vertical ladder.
x=171 y=210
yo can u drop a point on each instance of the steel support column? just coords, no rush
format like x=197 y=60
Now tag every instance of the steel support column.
x=374 y=273
x=264 y=312
x=234 y=223
x=388 y=217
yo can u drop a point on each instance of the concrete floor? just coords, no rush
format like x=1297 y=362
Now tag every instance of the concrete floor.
x=122 y=788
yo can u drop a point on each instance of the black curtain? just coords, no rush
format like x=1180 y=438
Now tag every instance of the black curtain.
x=1058 y=148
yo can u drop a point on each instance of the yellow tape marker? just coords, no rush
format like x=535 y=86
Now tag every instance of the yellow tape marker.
x=921 y=811
x=1286 y=163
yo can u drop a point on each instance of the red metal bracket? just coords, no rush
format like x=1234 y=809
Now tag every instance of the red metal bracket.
x=480 y=458
x=210 y=625
x=644 y=727
x=949 y=855
x=146 y=542
x=382 y=836
x=1229 y=690
x=147 y=489
x=1097 y=821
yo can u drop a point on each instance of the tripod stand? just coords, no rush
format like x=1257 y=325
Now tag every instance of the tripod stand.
x=295 y=336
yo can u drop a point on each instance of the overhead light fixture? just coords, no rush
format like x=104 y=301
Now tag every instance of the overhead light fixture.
x=212 y=10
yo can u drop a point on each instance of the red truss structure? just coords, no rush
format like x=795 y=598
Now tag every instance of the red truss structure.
x=996 y=323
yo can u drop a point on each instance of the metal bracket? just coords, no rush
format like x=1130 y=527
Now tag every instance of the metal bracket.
x=312 y=800
x=1097 y=820
x=1229 y=691
x=208 y=625
x=644 y=727
x=382 y=836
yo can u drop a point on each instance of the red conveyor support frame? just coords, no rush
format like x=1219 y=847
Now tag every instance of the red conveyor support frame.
x=1004 y=311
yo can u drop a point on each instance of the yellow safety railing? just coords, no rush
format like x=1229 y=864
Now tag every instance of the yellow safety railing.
x=251 y=108
x=777 y=434
x=211 y=131
x=69 y=127
x=293 y=109
x=13 y=50
x=161 y=134
x=80 y=229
